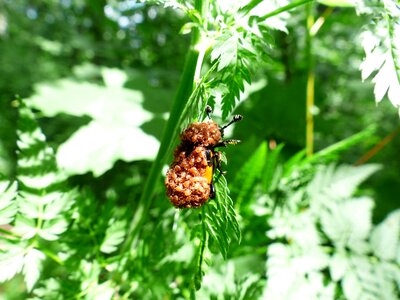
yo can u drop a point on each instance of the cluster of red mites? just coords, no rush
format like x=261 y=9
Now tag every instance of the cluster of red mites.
x=186 y=183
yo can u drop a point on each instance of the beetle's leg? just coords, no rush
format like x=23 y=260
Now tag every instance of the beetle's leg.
x=227 y=142
x=212 y=191
x=209 y=157
x=217 y=163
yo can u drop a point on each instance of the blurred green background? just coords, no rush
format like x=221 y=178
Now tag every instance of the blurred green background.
x=86 y=65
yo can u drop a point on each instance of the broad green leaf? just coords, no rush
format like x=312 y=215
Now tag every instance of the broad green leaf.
x=105 y=142
x=114 y=133
x=32 y=267
x=8 y=207
x=115 y=235
x=385 y=237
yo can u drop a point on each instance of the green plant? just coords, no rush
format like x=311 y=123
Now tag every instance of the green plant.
x=286 y=214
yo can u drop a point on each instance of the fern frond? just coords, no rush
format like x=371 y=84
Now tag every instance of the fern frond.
x=381 y=42
x=338 y=182
x=41 y=207
x=326 y=228
x=220 y=218
x=248 y=174
x=115 y=234
x=8 y=207
x=385 y=238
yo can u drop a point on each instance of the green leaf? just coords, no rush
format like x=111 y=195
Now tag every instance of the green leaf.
x=52 y=229
x=338 y=266
x=293 y=274
x=8 y=207
x=115 y=235
x=220 y=218
x=11 y=263
x=42 y=202
x=32 y=267
x=249 y=173
x=339 y=182
x=103 y=291
x=225 y=49
x=25 y=227
x=382 y=50
x=348 y=224
x=183 y=254
x=271 y=172
x=385 y=238
x=364 y=280
x=114 y=133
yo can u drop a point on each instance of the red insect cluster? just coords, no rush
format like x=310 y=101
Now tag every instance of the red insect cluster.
x=189 y=177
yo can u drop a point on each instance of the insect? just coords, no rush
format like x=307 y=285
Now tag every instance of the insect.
x=189 y=180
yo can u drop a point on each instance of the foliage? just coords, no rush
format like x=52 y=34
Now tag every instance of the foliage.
x=321 y=242
x=381 y=44
x=82 y=207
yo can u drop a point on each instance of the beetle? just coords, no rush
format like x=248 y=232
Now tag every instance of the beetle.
x=189 y=179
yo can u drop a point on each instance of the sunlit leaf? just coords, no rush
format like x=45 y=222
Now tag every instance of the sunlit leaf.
x=32 y=267
x=113 y=134
x=114 y=236
x=385 y=238
x=11 y=263
x=8 y=207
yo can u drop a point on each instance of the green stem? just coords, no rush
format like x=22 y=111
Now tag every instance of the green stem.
x=310 y=82
x=184 y=90
x=283 y=9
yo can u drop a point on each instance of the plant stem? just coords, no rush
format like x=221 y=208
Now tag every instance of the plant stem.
x=310 y=82
x=283 y=9
x=378 y=147
x=320 y=21
x=184 y=90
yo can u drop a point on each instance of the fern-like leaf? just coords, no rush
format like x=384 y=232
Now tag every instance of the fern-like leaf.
x=8 y=207
x=385 y=238
x=115 y=234
x=42 y=201
x=248 y=174
x=338 y=182
x=381 y=42
x=40 y=209
x=32 y=267
x=220 y=218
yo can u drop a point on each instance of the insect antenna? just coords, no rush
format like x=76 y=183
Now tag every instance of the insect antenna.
x=236 y=118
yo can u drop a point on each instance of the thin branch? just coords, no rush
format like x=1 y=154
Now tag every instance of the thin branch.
x=283 y=9
x=378 y=147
